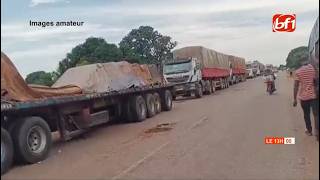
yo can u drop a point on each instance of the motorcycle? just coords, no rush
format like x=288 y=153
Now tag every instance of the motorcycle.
x=270 y=88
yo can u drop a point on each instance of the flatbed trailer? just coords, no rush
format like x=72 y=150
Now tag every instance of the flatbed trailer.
x=26 y=126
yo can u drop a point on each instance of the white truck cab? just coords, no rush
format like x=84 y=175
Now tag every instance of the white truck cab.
x=182 y=71
x=185 y=74
x=250 y=73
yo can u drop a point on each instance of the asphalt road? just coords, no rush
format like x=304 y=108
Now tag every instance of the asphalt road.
x=220 y=136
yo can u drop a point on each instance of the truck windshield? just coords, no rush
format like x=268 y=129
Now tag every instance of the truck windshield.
x=177 y=68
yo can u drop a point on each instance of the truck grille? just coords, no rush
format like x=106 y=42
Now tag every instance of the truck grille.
x=178 y=79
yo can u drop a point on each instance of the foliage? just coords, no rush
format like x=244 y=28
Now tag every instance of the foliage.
x=143 y=45
x=40 y=78
x=93 y=50
x=293 y=60
x=146 y=45
x=82 y=62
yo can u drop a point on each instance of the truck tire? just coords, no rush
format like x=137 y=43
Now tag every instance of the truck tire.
x=227 y=83
x=199 y=91
x=237 y=79
x=174 y=97
x=150 y=102
x=157 y=102
x=32 y=139
x=125 y=112
x=166 y=100
x=231 y=81
x=208 y=88
x=213 y=86
x=222 y=85
x=138 y=108
x=6 y=151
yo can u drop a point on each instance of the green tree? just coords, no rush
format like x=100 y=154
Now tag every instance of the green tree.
x=295 y=55
x=146 y=45
x=40 y=78
x=93 y=50
x=82 y=62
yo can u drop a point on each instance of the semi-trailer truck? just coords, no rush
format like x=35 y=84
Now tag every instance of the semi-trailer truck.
x=198 y=70
x=313 y=49
x=254 y=68
x=29 y=114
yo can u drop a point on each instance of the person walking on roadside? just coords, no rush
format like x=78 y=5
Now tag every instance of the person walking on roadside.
x=304 y=87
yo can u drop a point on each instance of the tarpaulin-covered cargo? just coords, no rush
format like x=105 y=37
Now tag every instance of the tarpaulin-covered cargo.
x=58 y=91
x=104 y=77
x=208 y=58
x=155 y=73
x=14 y=88
x=213 y=63
x=237 y=64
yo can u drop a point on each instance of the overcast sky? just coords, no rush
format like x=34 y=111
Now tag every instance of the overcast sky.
x=238 y=27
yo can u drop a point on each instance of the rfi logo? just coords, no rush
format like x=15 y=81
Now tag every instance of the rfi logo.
x=284 y=22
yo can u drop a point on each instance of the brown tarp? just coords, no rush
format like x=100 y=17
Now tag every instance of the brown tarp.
x=14 y=88
x=209 y=58
x=237 y=62
x=155 y=73
x=111 y=76
x=51 y=91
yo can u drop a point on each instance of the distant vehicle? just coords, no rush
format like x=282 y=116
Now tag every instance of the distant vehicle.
x=250 y=73
x=256 y=66
x=258 y=72
x=275 y=70
x=269 y=66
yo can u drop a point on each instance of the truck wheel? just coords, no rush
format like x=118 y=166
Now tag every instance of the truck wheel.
x=227 y=83
x=138 y=108
x=208 y=88
x=32 y=139
x=199 y=91
x=221 y=84
x=237 y=80
x=231 y=81
x=6 y=151
x=166 y=100
x=157 y=102
x=150 y=102
x=210 y=91
x=213 y=87
x=125 y=112
x=174 y=97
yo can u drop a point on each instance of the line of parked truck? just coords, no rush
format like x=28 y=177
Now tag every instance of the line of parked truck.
x=198 y=70
x=90 y=95
x=32 y=113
